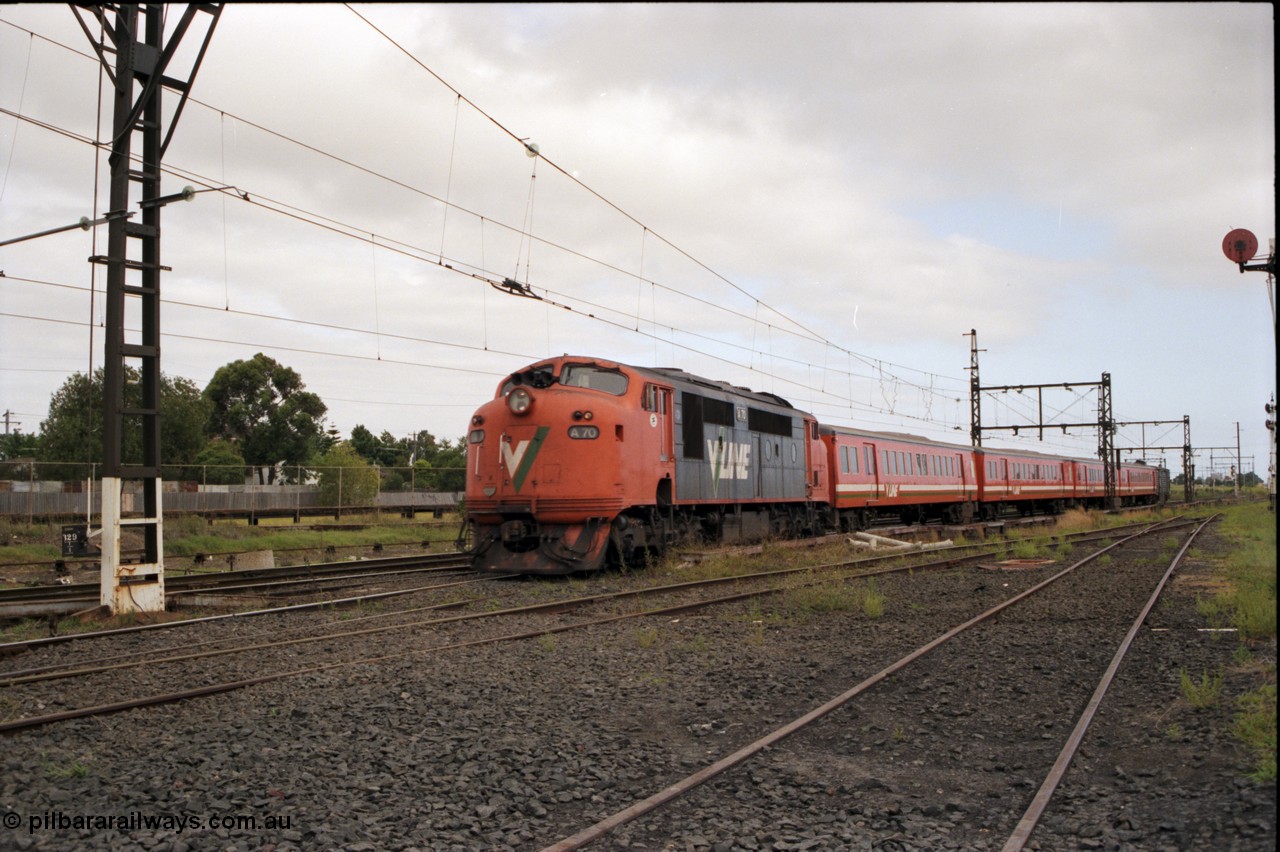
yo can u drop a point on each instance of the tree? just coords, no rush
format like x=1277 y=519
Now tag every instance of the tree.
x=18 y=449
x=19 y=445
x=184 y=416
x=73 y=431
x=263 y=408
x=346 y=479
x=440 y=464
x=221 y=464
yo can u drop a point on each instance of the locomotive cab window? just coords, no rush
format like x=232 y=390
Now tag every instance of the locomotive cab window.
x=593 y=378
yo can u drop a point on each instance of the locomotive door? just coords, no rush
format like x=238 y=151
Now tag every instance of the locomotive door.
x=663 y=414
x=757 y=469
x=657 y=401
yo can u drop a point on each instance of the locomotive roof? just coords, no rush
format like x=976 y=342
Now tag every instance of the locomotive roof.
x=675 y=374
x=670 y=374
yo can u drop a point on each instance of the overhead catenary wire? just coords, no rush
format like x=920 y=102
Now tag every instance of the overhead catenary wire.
x=418 y=253
x=870 y=362
x=879 y=366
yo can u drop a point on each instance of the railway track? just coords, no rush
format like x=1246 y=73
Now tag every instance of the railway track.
x=531 y=621
x=687 y=596
x=41 y=601
x=1055 y=769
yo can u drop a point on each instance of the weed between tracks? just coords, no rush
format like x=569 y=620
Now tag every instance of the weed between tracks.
x=1244 y=597
x=1207 y=692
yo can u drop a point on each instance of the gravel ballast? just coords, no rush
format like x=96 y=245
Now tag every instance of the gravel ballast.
x=518 y=745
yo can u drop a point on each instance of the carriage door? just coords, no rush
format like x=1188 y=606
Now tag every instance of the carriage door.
x=872 y=469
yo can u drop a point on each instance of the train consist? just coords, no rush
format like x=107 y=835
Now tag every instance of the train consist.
x=577 y=460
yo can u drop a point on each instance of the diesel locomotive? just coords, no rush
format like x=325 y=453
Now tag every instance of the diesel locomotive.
x=579 y=460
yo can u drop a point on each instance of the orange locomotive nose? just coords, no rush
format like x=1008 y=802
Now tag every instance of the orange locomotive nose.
x=543 y=484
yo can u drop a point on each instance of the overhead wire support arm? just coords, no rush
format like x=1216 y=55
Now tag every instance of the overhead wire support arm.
x=84 y=224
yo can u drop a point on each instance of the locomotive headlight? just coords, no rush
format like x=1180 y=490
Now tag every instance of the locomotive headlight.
x=584 y=432
x=520 y=401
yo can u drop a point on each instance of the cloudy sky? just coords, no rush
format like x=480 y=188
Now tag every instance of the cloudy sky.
x=815 y=200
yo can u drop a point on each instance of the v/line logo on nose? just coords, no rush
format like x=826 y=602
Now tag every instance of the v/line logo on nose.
x=518 y=460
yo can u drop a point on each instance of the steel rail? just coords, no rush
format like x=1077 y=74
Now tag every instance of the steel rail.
x=674 y=791
x=556 y=606
x=24 y=645
x=28 y=603
x=214 y=689
x=181 y=582
x=9 y=678
x=1022 y=832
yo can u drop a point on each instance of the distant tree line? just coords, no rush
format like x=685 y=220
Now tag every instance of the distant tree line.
x=255 y=418
x=1247 y=479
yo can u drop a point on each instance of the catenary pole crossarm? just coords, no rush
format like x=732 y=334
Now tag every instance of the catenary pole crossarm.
x=1105 y=424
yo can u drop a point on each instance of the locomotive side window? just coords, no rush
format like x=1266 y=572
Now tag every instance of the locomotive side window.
x=654 y=400
x=697 y=411
x=769 y=423
x=691 y=426
x=717 y=411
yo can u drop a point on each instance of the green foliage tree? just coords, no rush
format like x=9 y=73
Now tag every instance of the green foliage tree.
x=364 y=443
x=262 y=406
x=440 y=464
x=72 y=433
x=184 y=414
x=19 y=445
x=346 y=478
x=18 y=449
x=220 y=464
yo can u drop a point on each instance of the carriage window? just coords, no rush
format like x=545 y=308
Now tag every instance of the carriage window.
x=844 y=459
